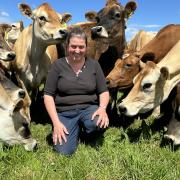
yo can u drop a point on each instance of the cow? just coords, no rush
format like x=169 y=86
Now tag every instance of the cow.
x=114 y=78
x=15 y=115
x=111 y=24
x=140 y=39
x=6 y=53
x=153 y=84
x=13 y=124
x=124 y=71
x=12 y=35
x=173 y=128
x=32 y=60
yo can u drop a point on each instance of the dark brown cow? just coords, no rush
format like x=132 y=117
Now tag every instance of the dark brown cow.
x=111 y=27
x=173 y=129
x=155 y=50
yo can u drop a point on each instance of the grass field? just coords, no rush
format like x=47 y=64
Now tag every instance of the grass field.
x=114 y=158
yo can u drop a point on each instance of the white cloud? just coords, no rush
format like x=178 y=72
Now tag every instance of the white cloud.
x=5 y=17
x=4 y=14
x=133 y=29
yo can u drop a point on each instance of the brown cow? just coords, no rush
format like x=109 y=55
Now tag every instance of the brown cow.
x=111 y=28
x=111 y=22
x=155 y=50
x=116 y=77
x=173 y=129
x=32 y=61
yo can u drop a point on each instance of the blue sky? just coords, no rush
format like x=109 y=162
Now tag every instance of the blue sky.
x=150 y=15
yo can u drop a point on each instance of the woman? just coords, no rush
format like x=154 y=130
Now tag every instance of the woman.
x=75 y=92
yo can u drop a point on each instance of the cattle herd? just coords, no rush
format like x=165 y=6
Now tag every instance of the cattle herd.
x=147 y=68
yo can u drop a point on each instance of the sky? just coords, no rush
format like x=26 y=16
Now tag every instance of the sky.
x=150 y=15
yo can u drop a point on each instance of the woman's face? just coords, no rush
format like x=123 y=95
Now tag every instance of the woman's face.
x=77 y=48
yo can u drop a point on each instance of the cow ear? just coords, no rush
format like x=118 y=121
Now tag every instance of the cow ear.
x=148 y=57
x=6 y=27
x=165 y=72
x=18 y=106
x=91 y=16
x=25 y=10
x=21 y=25
x=66 y=17
x=129 y=9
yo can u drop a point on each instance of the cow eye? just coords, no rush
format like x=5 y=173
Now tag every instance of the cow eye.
x=117 y=15
x=42 y=18
x=128 y=65
x=147 y=86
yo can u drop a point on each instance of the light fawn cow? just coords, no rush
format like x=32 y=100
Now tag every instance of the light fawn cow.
x=6 y=53
x=12 y=35
x=153 y=84
x=32 y=60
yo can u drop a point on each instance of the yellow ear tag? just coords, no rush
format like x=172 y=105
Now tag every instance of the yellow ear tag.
x=64 y=25
x=6 y=35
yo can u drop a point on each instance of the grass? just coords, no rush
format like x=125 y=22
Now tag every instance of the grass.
x=117 y=158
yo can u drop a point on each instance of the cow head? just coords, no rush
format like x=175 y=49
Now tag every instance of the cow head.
x=147 y=92
x=126 y=69
x=48 y=26
x=6 y=54
x=111 y=20
x=15 y=128
x=12 y=35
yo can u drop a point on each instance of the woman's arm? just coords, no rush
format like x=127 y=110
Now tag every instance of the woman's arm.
x=103 y=120
x=59 y=130
x=104 y=100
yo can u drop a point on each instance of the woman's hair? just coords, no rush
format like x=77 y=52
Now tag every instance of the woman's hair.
x=76 y=32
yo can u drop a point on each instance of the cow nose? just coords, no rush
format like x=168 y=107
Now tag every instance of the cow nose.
x=63 y=32
x=11 y=56
x=122 y=109
x=21 y=94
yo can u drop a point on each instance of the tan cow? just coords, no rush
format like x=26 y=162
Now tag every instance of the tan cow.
x=116 y=77
x=153 y=84
x=125 y=70
x=32 y=61
x=139 y=41
x=12 y=35
x=6 y=53
x=15 y=116
x=14 y=127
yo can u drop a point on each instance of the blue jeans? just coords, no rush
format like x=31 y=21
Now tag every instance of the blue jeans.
x=71 y=120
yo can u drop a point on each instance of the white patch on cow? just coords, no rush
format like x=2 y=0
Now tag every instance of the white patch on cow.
x=152 y=78
x=102 y=33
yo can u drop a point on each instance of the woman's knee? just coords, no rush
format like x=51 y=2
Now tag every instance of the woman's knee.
x=65 y=150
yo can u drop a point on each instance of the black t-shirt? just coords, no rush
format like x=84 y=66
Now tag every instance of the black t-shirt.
x=71 y=91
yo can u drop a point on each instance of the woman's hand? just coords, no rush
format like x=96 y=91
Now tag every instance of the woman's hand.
x=103 y=120
x=59 y=133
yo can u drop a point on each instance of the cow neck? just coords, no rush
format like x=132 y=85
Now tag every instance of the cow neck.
x=38 y=48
